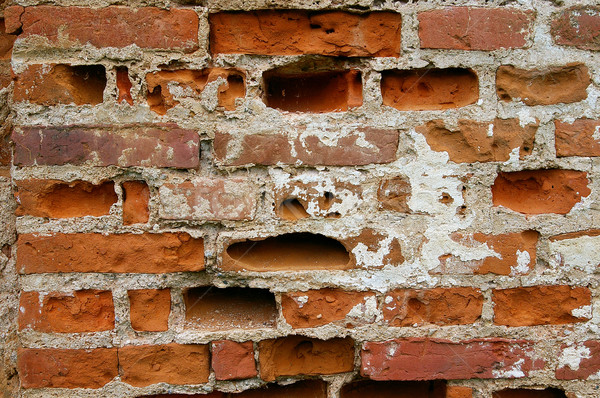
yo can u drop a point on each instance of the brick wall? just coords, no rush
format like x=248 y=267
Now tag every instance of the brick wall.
x=300 y=199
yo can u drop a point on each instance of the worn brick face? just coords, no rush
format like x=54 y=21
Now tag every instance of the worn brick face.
x=294 y=32
x=541 y=305
x=77 y=312
x=147 y=253
x=576 y=138
x=145 y=27
x=150 y=309
x=471 y=28
x=232 y=360
x=430 y=359
x=578 y=27
x=156 y=146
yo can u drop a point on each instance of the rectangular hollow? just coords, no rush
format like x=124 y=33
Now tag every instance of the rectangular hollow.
x=212 y=308
x=317 y=92
x=429 y=89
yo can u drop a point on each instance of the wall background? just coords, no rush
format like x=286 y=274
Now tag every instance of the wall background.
x=344 y=198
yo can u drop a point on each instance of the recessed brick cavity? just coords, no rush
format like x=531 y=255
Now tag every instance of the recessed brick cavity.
x=429 y=89
x=330 y=91
x=211 y=308
x=295 y=251
x=540 y=191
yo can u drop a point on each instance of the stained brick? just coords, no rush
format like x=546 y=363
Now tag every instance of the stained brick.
x=125 y=146
x=579 y=27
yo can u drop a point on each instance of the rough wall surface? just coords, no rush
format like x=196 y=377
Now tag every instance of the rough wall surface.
x=300 y=198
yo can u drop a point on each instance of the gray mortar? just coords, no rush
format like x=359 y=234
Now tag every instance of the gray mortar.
x=252 y=116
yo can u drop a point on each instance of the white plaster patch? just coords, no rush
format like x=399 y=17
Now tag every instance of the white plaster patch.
x=301 y=300
x=585 y=311
x=513 y=372
x=572 y=356
x=522 y=267
x=582 y=252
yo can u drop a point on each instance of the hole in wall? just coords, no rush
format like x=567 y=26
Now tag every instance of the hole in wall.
x=292 y=209
x=212 y=308
x=294 y=251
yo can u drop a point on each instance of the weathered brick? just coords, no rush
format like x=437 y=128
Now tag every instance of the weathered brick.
x=290 y=32
x=287 y=252
x=298 y=355
x=77 y=312
x=54 y=84
x=122 y=253
x=317 y=92
x=513 y=254
x=6 y=45
x=319 y=307
x=167 y=85
x=469 y=28
x=394 y=194
x=170 y=363
x=576 y=250
x=480 y=141
x=307 y=149
x=145 y=27
x=543 y=86
x=577 y=138
x=298 y=198
x=212 y=199
x=441 y=306
x=429 y=89
x=125 y=146
x=373 y=249
x=578 y=26
x=541 y=305
x=150 y=309
x=136 y=196
x=64 y=368
x=211 y=308
x=578 y=361
x=433 y=359
x=59 y=199
x=232 y=360
x=540 y=191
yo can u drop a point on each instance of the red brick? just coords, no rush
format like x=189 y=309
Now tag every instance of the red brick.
x=145 y=27
x=433 y=359
x=543 y=86
x=136 y=196
x=77 y=312
x=417 y=307
x=291 y=32
x=213 y=199
x=467 y=28
x=186 y=81
x=317 y=92
x=577 y=138
x=319 y=307
x=125 y=146
x=55 y=84
x=579 y=361
x=150 y=309
x=578 y=26
x=170 y=363
x=540 y=191
x=59 y=199
x=232 y=360
x=308 y=149
x=480 y=141
x=123 y=85
x=6 y=45
x=121 y=253
x=540 y=305
x=516 y=254
x=429 y=89
x=63 y=368
x=298 y=355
